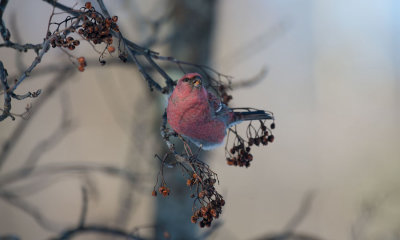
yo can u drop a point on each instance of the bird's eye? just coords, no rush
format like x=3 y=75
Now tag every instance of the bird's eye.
x=186 y=79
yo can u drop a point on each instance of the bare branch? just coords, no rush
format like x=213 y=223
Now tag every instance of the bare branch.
x=36 y=61
x=82 y=218
x=289 y=232
x=29 y=209
x=5 y=34
x=9 y=237
x=250 y=81
x=22 y=47
x=53 y=169
x=61 y=6
x=302 y=212
x=98 y=229
x=7 y=97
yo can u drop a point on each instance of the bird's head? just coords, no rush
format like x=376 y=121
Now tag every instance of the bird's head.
x=192 y=80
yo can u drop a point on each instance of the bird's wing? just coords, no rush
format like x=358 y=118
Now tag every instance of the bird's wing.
x=219 y=109
x=215 y=102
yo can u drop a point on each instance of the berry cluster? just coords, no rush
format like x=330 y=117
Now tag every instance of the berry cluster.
x=96 y=28
x=90 y=25
x=163 y=191
x=239 y=154
x=66 y=42
x=209 y=212
x=264 y=138
x=210 y=200
x=243 y=157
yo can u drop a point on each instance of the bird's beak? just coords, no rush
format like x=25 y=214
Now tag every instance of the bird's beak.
x=197 y=82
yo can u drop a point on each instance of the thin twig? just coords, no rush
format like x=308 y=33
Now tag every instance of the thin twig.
x=82 y=218
x=53 y=169
x=36 y=61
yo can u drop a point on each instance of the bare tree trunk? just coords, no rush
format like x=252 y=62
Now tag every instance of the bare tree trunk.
x=192 y=35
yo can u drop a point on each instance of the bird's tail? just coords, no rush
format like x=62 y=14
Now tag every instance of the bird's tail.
x=248 y=116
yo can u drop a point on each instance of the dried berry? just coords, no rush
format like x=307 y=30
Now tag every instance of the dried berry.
x=201 y=194
x=82 y=63
x=251 y=141
x=164 y=191
x=111 y=49
x=189 y=182
x=88 y=5
x=202 y=224
x=194 y=219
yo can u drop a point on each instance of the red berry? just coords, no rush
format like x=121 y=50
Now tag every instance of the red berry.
x=111 y=49
x=88 y=5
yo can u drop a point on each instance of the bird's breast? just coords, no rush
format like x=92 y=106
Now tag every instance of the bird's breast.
x=191 y=116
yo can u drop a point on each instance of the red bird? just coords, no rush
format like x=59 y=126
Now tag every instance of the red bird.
x=200 y=116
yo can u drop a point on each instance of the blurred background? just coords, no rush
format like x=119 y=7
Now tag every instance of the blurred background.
x=332 y=82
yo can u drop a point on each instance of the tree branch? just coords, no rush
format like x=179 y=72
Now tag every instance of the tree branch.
x=28 y=209
x=99 y=229
x=5 y=34
x=7 y=97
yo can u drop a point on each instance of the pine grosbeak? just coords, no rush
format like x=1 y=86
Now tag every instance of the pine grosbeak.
x=200 y=116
